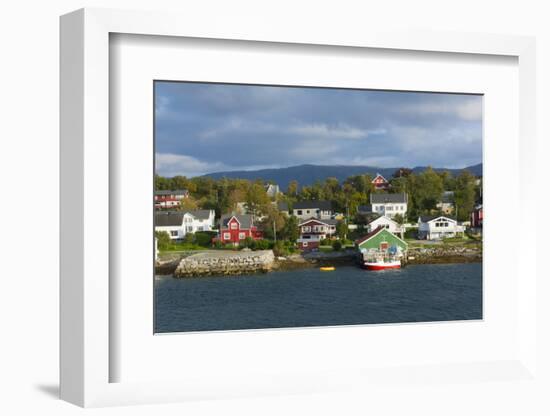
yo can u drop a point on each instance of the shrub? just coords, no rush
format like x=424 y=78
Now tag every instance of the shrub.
x=248 y=242
x=279 y=249
x=204 y=238
x=263 y=244
x=163 y=239
x=337 y=245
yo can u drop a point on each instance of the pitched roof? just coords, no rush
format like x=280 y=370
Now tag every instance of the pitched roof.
x=331 y=221
x=245 y=220
x=200 y=214
x=174 y=192
x=168 y=218
x=388 y=198
x=428 y=218
x=379 y=175
x=374 y=232
x=324 y=205
x=382 y=217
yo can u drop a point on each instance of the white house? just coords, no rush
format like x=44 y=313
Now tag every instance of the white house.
x=389 y=204
x=386 y=222
x=178 y=223
x=436 y=227
x=312 y=209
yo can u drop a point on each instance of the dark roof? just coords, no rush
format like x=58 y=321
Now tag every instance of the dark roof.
x=246 y=220
x=364 y=208
x=168 y=218
x=174 y=192
x=388 y=198
x=282 y=206
x=331 y=221
x=201 y=214
x=428 y=218
x=323 y=205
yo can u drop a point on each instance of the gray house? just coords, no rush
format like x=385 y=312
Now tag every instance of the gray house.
x=313 y=209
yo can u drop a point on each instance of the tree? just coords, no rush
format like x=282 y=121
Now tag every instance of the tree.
x=257 y=201
x=398 y=218
x=290 y=230
x=427 y=190
x=464 y=195
x=341 y=229
x=273 y=223
x=292 y=188
x=402 y=173
x=163 y=240
x=188 y=204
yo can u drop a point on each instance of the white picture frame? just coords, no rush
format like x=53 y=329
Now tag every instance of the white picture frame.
x=86 y=301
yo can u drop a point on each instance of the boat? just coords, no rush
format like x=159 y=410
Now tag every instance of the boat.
x=381 y=264
x=327 y=268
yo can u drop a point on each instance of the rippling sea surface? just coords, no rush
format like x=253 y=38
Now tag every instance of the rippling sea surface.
x=309 y=297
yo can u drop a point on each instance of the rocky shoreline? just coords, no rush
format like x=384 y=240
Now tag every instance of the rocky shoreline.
x=230 y=263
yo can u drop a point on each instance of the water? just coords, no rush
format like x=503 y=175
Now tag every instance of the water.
x=310 y=297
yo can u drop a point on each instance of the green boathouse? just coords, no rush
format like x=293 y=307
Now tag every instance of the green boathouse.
x=380 y=239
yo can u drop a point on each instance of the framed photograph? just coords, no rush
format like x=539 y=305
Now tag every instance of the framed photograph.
x=270 y=213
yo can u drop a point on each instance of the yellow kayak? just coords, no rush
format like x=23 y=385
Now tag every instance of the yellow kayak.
x=327 y=268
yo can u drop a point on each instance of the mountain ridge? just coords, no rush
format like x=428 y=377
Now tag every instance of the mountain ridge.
x=307 y=174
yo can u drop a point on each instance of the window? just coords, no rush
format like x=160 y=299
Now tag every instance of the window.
x=233 y=225
x=307 y=212
x=174 y=233
x=389 y=208
x=241 y=236
x=226 y=236
x=190 y=229
x=299 y=212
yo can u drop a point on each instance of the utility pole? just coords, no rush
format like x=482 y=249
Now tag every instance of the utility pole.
x=274 y=232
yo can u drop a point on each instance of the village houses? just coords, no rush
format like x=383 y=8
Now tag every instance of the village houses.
x=313 y=230
x=312 y=209
x=437 y=227
x=170 y=199
x=236 y=228
x=179 y=223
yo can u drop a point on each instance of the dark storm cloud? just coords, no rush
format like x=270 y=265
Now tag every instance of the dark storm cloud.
x=202 y=128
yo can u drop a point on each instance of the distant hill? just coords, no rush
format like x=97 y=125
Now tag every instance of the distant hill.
x=309 y=174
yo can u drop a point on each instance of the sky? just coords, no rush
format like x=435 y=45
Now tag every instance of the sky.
x=203 y=128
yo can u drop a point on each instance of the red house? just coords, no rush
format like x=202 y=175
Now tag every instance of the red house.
x=170 y=199
x=235 y=228
x=380 y=182
x=313 y=230
x=477 y=217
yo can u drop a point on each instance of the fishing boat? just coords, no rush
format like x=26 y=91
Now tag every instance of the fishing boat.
x=382 y=264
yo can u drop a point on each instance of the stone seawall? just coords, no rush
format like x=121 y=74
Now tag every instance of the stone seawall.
x=225 y=263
